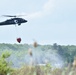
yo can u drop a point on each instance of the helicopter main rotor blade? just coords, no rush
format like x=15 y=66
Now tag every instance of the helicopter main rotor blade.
x=13 y=15
x=8 y=16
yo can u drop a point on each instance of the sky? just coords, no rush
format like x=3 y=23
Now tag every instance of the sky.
x=49 y=21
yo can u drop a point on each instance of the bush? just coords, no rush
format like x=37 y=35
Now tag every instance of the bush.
x=4 y=65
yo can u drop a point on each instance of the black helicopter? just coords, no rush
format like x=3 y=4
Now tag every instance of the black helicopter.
x=14 y=20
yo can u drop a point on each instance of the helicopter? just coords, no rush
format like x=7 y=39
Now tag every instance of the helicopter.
x=14 y=20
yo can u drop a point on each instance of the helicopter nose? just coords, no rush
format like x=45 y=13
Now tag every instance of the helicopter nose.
x=25 y=20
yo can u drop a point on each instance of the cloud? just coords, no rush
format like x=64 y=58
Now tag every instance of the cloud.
x=49 y=5
x=47 y=8
x=34 y=15
x=59 y=7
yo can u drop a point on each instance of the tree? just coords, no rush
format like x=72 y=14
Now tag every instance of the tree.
x=4 y=65
x=55 y=46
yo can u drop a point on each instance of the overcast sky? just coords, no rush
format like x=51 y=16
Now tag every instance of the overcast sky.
x=49 y=21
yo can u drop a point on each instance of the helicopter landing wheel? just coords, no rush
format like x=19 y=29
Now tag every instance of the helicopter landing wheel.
x=19 y=24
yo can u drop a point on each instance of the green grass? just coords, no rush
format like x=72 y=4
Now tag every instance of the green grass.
x=44 y=70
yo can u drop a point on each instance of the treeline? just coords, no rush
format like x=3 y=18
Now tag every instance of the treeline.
x=68 y=52
x=4 y=46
